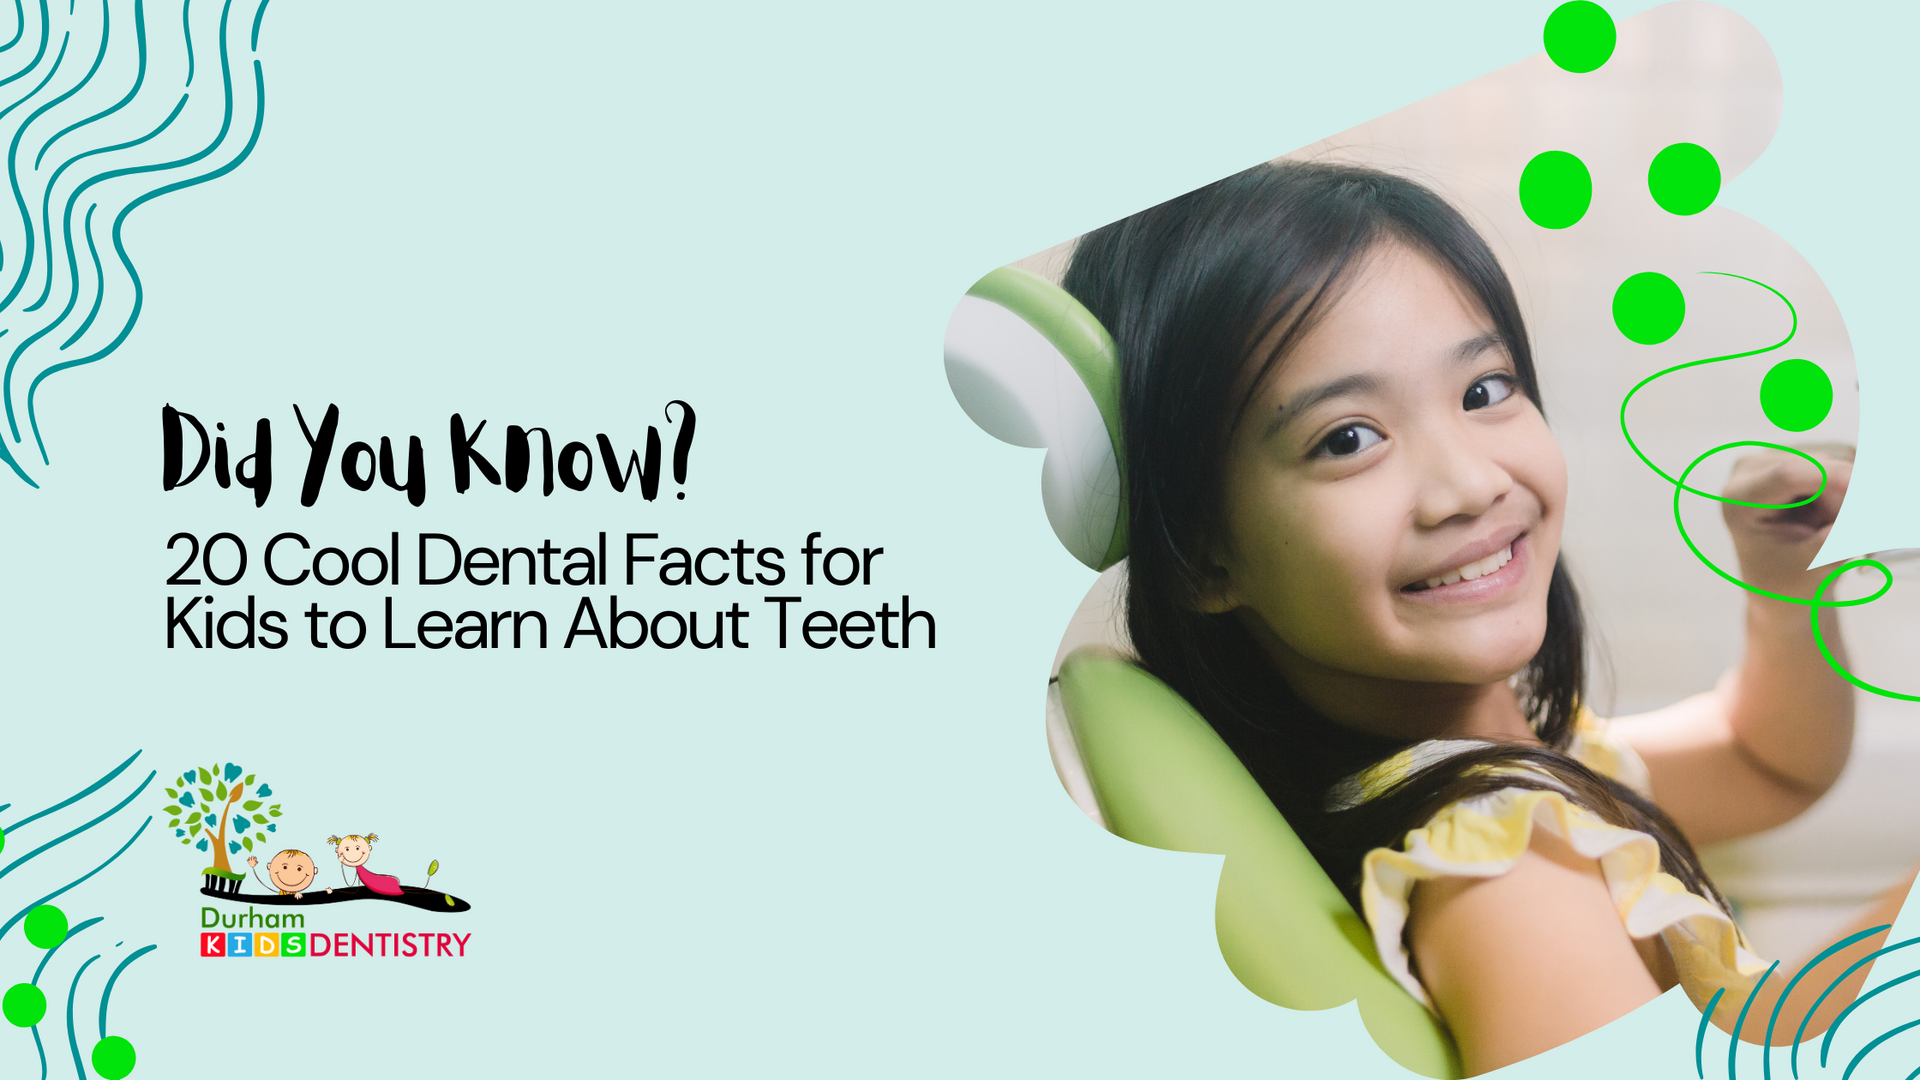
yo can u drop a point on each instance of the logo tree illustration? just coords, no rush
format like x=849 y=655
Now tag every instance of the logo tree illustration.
x=211 y=811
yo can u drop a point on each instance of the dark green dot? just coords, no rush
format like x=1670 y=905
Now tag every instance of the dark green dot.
x=1649 y=308
x=23 y=1004
x=1796 y=394
x=46 y=926
x=1555 y=189
x=113 y=1057
x=1579 y=36
x=1684 y=179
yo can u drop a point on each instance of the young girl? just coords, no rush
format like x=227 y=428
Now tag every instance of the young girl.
x=1344 y=550
x=353 y=851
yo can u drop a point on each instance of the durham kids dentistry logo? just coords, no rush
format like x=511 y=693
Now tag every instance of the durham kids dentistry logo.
x=224 y=811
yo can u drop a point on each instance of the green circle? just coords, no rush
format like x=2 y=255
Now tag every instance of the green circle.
x=1684 y=179
x=46 y=926
x=1579 y=36
x=1555 y=189
x=1649 y=308
x=23 y=1004
x=113 y=1057
x=1796 y=394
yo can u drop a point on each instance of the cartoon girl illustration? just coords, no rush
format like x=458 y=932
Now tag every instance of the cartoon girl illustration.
x=1345 y=511
x=353 y=851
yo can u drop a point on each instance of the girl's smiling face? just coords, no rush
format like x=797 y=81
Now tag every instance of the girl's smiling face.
x=353 y=851
x=1393 y=499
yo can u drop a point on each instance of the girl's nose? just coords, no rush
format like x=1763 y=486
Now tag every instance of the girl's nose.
x=1459 y=478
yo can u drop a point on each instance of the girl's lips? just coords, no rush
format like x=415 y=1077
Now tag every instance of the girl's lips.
x=1499 y=582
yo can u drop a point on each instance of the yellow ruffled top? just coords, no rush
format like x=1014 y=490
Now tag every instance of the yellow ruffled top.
x=1485 y=836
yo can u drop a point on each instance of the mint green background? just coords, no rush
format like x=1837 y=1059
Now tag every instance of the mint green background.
x=834 y=863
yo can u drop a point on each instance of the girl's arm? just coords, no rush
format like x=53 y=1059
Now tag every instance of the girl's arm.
x=1534 y=958
x=1793 y=1014
x=1520 y=963
x=1771 y=739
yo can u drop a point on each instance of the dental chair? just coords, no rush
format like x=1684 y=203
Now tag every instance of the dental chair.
x=1034 y=368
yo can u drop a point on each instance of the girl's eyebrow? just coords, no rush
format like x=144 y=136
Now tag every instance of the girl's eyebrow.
x=1359 y=383
x=1470 y=349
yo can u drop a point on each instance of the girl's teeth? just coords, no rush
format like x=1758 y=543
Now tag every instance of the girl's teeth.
x=1474 y=570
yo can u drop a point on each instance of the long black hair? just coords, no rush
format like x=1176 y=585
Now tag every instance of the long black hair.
x=1197 y=291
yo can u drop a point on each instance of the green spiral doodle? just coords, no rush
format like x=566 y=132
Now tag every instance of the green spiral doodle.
x=1815 y=604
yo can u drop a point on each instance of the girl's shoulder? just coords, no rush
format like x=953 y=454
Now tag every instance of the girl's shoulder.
x=1487 y=835
x=1596 y=746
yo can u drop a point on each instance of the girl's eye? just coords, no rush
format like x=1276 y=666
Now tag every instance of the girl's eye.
x=1491 y=390
x=1348 y=441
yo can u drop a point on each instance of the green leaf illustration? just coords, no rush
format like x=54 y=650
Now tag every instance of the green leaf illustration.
x=259 y=819
x=248 y=780
x=206 y=796
x=172 y=794
x=174 y=824
x=247 y=842
x=195 y=817
x=220 y=790
x=206 y=777
x=433 y=867
x=273 y=812
x=252 y=804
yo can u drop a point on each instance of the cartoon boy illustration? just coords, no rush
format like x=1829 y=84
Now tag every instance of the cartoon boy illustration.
x=291 y=871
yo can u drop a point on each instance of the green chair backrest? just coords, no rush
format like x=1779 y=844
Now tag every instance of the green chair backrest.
x=1163 y=778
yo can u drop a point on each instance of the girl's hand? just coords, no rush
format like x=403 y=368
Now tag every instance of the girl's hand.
x=1775 y=546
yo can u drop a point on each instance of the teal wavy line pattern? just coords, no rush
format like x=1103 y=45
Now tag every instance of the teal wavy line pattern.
x=1766 y=1061
x=1700 y=1035
x=139 y=79
x=107 y=994
x=13 y=173
x=71 y=799
x=1827 y=1042
x=1799 y=1033
x=1857 y=1058
x=10 y=867
x=122 y=796
x=19 y=25
x=119 y=246
x=37 y=1046
x=37 y=56
x=101 y=139
x=76 y=882
x=73 y=1043
x=1741 y=1023
x=44 y=960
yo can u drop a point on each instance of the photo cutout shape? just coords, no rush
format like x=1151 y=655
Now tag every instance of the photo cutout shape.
x=1679 y=347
